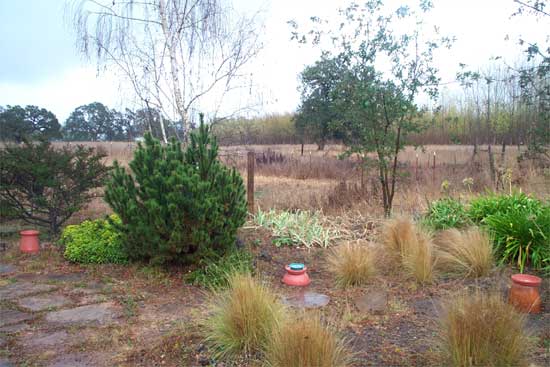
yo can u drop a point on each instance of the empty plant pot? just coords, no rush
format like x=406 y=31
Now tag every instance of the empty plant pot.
x=29 y=242
x=524 y=293
x=296 y=275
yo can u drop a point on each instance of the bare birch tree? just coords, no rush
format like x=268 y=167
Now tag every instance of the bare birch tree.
x=174 y=53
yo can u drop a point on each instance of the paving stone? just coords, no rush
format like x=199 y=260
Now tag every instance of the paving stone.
x=7 y=268
x=45 y=339
x=21 y=289
x=80 y=360
x=307 y=300
x=66 y=277
x=44 y=302
x=92 y=298
x=3 y=342
x=372 y=302
x=97 y=313
x=5 y=363
x=13 y=329
x=8 y=317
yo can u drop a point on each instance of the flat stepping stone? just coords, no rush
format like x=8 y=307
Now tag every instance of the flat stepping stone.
x=45 y=339
x=13 y=329
x=9 y=317
x=372 y=302
x=18 y=290
x=80 y=360
x=97 y=313
x=5 y=363
x=7 y=268
x=44 y=302
x=307 y=300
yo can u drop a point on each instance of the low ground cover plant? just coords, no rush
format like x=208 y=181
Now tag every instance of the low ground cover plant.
x=242 y=317
x=412 y=247
x=467 y=253
x=94 y=242
x=447 y=213
x=175 y=204
x=306 y=341
x=300 y=228
x=482 y=330
x=518 y=224
x=215 y=272
x=352 y=264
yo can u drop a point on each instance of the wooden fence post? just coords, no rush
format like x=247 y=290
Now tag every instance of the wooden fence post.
x=433 y=169
x=251 y=158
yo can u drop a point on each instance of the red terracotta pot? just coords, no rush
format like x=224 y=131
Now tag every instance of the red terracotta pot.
x=297 y=278
x=524 y=293
x=29 y=242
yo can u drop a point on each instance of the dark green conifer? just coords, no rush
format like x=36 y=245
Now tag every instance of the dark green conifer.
x=177 y=205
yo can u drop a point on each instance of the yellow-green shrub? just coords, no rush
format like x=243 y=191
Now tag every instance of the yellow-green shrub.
x=94 y=242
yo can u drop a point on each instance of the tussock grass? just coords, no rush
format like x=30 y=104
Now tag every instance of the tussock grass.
x=483 y=330
x=305 y=342
x=352 y=264
x=242 y=317
x=467 y=253
x=411 y=246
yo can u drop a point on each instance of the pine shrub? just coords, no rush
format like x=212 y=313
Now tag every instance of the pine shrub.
x=177 y=205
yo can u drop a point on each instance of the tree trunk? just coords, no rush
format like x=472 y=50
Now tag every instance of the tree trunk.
x=174 y=71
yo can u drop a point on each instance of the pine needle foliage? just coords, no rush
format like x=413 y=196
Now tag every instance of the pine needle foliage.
x=175 y=204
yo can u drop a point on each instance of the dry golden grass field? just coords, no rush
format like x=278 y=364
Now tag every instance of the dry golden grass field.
x=319 y=180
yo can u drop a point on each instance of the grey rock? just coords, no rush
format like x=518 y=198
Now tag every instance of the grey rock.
x=5 y=363
x=17 y=290
x=307 y=300
x=45 y=340
x=97 y=313
x=80 y=360
x=44 y=302
x=7 y=268
x=8 y=317
x=372 y=302
x=13 y=329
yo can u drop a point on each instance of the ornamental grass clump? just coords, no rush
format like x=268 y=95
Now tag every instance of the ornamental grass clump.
x=410 y=246
x=352 y=264
x=242 y=317
x=482 y=330
x=467 y=253
x=305 y=341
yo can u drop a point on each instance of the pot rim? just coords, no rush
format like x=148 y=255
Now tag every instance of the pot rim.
x=527 y=280
x=29 y=232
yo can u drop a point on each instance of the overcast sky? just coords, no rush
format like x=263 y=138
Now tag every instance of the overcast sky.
x=39 y=64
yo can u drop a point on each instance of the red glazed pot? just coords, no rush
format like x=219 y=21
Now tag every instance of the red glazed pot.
x=297 y=278
x=29 y=242
x=524 y=293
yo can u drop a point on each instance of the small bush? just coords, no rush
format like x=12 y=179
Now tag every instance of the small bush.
x=522 y=236
x=94 y=242
x=44 y=185
x=242 y=317
x=214 y=273
x=177 y=205
x=483 y=330
x=485 y=206
x=299 y=228
x=446 y=213
x=306 y=342
x=352 y=264
x=520 y=226
x=468 y=253
x=412 y=246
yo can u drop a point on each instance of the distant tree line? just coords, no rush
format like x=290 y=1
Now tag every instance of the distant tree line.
x=91 y=122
